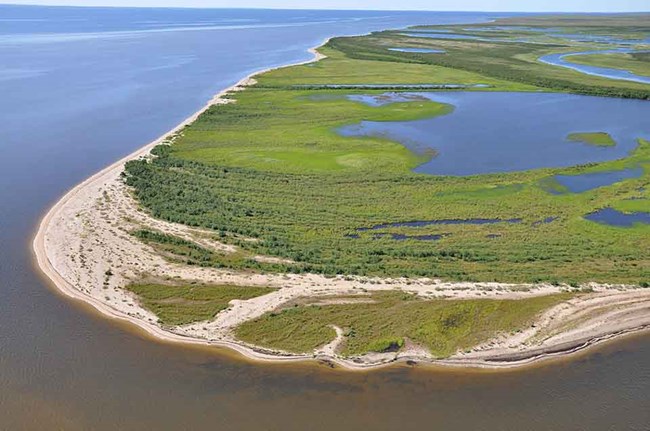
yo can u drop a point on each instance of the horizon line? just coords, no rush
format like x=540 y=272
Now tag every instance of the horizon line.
x=599 y=12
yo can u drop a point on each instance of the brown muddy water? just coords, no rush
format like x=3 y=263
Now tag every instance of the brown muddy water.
x=82 y=96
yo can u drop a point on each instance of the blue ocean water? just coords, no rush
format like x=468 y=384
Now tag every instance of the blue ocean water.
x=83 y=86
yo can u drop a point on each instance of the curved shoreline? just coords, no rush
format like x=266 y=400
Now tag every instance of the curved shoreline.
x=64 y=287
x=559 y=60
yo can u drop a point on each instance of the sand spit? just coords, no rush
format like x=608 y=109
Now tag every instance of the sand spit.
x=84 y=246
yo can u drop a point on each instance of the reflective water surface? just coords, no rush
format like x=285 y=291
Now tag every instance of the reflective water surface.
x=73 y=106
x=584 y=182
x=604 y=72
x=491 y=132
x=613 y=217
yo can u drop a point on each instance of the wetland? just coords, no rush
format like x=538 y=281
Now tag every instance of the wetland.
x=304 y=205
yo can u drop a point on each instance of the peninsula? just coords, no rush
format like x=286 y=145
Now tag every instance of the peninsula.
x=450 y=195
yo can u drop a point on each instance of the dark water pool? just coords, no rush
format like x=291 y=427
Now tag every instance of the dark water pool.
x=424 y=223
x=404 y=237
x=491 y=132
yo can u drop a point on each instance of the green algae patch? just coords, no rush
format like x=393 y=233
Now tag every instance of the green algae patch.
x=600 y=139
x=443 y=326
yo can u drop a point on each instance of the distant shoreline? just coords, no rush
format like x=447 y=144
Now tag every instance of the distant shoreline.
x=65 y=287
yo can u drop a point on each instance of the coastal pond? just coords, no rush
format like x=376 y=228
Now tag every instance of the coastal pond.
x=424 y=223
x=439 y=222
x=613 y=217
x=404 y=237
x=494 y=132
x=584 y=182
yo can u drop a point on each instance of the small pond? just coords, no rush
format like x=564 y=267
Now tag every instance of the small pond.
x=424 y=223
x=612 y=217
x=492 y=132
x=585 y=182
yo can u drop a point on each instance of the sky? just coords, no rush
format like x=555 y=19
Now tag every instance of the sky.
x=433 y=5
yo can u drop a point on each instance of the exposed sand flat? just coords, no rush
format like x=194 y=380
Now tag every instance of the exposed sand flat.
x=85 y=247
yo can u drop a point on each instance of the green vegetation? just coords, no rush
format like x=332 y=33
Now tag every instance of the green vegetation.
x=183 y=250
x=597 y=24
x=272 y=168
x=341 y=69
x=179 y=305
x=637 y=63
x=180 y=250
x=443 y=326
x=291 y=131
x=502 y=59
x=600 y=139
x=642 y=56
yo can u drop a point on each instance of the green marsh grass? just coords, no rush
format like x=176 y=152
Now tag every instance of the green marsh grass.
x=179 y=305
x=443 y=326
x=600 y=139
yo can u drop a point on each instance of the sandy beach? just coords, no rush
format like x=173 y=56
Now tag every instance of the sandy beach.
x=84 y=246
